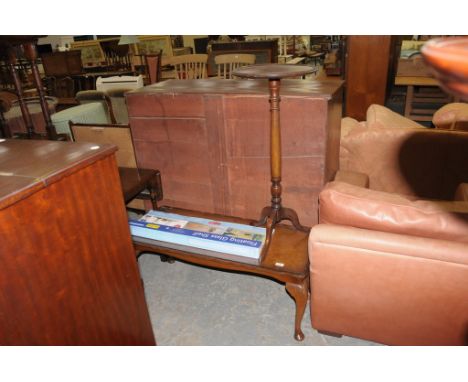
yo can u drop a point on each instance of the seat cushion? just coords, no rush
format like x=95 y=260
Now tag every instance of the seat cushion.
x=345 y=204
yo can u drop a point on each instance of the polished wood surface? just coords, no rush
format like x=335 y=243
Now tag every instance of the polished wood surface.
x=367 y=65
x=134 y=181
x=210 y=140
x=69 y=276
x=415 y=81
x=286 y=261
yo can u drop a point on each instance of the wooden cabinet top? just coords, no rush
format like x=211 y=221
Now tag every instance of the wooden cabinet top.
x=26 y=166
x=289 y=87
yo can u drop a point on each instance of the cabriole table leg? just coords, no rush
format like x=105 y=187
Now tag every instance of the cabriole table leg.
x=300 y=293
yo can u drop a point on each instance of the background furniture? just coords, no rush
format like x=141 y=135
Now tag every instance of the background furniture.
x=210 y=139
x=94 y=112
x=119 y=106
x=119 y=82
x=9 y=45
x=153 y=67
x=15 y=120
x=137 y=183
x=388 y=259
x=367 y=63
x=421 y=90
x=69 y=271
x=89 y=96
x=226 y=63
x=190 y=66
x=155 y=44
x=62 y=64
x=91 y=51
x=266 y=51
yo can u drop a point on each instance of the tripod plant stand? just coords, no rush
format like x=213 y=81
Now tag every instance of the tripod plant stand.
x=273 y=214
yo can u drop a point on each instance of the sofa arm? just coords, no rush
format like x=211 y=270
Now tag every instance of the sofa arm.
x=352 y=177
x=344 y=204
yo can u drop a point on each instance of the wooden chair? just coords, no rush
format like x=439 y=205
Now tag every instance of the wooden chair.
x=153 y=67
x=226 y=63
x=6 y=102
x=137 y=183
x=190 y=66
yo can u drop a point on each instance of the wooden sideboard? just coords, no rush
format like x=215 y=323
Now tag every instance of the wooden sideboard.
x=210 y=139
x=68 y=270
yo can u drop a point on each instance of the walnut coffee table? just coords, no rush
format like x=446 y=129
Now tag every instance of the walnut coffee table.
x=286 y=260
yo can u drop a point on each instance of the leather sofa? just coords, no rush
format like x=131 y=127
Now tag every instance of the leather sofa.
x=389 y=257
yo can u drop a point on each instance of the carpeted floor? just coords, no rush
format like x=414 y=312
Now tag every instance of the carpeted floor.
x=192 y=305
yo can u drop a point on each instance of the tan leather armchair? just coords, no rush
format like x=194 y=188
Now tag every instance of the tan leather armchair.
x=389 y=259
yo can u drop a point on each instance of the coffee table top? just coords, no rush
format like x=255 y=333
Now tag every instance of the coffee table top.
x=273 y=71
x=287 y=255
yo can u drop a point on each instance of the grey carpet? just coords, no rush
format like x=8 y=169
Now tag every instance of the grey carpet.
x=193 y=305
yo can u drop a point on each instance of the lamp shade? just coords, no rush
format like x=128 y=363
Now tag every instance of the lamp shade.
x=126 y=40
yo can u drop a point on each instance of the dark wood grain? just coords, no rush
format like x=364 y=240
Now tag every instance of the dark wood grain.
x=366 y=73
x=69 y=276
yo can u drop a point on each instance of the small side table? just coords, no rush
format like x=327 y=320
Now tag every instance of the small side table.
x=286 y=261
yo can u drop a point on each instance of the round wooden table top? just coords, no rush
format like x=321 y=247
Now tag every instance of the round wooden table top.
x=273 y=71
x=448 y=57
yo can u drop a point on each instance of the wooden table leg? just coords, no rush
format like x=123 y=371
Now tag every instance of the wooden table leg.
x=155 y=189
x=300 y=294
x=409 y=100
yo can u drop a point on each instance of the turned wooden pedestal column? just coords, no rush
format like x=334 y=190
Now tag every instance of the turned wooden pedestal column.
x=275 y=213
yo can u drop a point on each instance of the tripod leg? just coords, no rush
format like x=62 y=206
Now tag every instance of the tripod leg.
x=291 y=215
x=263 y=217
